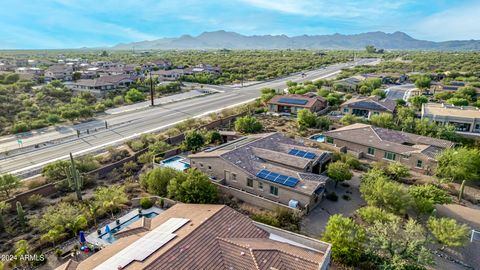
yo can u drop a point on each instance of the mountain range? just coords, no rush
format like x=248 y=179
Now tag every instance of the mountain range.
x=231 y=40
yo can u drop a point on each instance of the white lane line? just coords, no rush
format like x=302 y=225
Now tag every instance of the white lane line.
x=125 y=138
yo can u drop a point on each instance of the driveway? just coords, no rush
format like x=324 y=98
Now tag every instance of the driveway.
x=314 y=223
x=399 y=91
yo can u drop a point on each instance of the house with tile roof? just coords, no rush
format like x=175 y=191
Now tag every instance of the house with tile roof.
x=368 y=106
x=269 y=167
x=464 y=118
x=102 y=84
x=203 y=236
x=292 y=103
x=59 y=72
x=381 y=144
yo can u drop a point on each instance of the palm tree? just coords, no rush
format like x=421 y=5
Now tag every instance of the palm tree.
x=54 y=234
x=4 y=206
x=79 y=223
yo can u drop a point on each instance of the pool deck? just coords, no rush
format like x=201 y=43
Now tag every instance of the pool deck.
x=94 y=237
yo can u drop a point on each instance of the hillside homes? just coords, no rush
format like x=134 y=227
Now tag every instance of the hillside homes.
x=464 y=118
x=381 y=144
x=268 y=166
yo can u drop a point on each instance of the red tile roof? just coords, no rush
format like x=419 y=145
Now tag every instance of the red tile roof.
x=310 y=100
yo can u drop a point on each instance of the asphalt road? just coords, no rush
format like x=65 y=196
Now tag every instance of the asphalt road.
x=399 y=91
x=130 y=125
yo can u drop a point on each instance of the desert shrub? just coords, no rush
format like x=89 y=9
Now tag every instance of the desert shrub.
x=36 y=201
x=146 y=203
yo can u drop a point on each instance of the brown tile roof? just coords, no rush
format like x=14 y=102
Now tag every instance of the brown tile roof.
x=389 y=140
x=104 y=80
x=311 y=100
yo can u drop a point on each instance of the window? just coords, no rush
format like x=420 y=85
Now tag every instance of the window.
x=260 y=185
x=249 y=182
x=274 y=190
x=419 y=163
x=371 y=151
x=234 y=176
x=389 y=156
x=345 y=110
x=330 y=140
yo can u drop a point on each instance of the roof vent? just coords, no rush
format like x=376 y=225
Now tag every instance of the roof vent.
x=242 y=253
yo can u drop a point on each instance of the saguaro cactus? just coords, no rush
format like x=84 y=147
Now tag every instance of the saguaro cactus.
x=20 y=214
x=74 y=178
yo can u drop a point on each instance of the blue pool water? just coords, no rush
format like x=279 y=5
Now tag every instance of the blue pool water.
x=109 y=237
x=318 y=138
x=178 y=163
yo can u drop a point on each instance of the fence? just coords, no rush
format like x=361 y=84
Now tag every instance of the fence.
x=50 y=188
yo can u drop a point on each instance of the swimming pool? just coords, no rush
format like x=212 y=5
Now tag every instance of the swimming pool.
x=177 y=162
x=318 y=137
x=110 y=238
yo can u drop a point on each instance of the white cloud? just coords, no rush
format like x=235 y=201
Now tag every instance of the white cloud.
x=329 y=8
x=457 y=23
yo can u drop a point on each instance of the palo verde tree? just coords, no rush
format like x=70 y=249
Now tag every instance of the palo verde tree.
x=448 y=231
x=9 y=182
x=339 y=172
x=74 y=178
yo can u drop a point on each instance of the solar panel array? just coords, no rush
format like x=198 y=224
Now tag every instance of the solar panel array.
x=300 y=153
x=277 y=178
x=293 y=101
x=145 y=246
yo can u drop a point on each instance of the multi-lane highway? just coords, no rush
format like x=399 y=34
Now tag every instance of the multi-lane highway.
x=129 y=125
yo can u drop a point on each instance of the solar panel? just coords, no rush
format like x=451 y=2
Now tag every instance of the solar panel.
x=293 y=101
x=277 y=178
x=145 y=246
x=303 y=154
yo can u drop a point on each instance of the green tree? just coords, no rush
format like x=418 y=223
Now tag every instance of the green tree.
x=384 y=120
x=22 y=248
x=346 y=238
x=76 y=76
x=193 y=141
x=213 y=137
x=267 y=94
x=459 y=164
x=426 y=196
x=156 y=181
x=195 y=188
x=134 y=95
x=349 y=119
x=378 y=190
x=379 y=93
x=53 y=235
x=396 y=170
x=159 y=147
x=448 y=231
x=401 y=246
x=372 y=214
x=339 y=172
x=458 y=101
x=306 y=119
x=370 y=49
x=423 y=82
x=111 y=198
x=9 y=182
x=417 y=101
x=248 y=124
x=80 y=222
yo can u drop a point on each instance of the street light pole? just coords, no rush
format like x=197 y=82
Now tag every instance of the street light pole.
x=151 y=89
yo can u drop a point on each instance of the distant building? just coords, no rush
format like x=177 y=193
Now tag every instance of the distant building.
x=293 y=103
x=370 y=142
x=368 y=106
x=59 y=72
x=102 y=84
x=349 y=84
x=464 y=118
x=169 y=75
x=203 y=236
x=29 y=73
x=268 y=167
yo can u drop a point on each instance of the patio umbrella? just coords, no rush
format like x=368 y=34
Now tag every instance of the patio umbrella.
x=82 y=237
x=107 y=229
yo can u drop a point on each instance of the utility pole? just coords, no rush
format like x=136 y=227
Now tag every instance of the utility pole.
x=243 y=74
x=151 y=89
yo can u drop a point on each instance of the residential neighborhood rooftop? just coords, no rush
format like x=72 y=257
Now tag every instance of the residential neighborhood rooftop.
x=211 y=237
x=450 y=110
x=371 y=103
x=273 y=152
x=305 y=101
x=390 y=140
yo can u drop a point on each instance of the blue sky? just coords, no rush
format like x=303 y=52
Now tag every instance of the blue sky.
x=46 y=24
